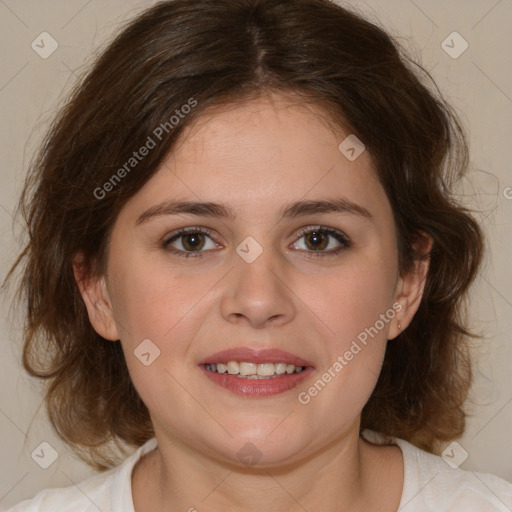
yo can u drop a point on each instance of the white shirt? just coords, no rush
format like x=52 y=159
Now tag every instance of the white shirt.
x=430 y=485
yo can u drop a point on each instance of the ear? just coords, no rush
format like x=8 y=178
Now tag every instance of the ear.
x=93 y=289
x=409 y=288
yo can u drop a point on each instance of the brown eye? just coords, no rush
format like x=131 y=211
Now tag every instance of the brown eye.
x=318 y=239
x=193 y=241
x=190 y=242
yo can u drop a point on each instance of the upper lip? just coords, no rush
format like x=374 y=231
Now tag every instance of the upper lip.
x=252 y=355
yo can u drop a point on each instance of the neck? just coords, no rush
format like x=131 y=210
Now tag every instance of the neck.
x=345 y=475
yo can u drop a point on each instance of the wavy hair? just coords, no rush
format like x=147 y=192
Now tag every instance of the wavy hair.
x=221 y=52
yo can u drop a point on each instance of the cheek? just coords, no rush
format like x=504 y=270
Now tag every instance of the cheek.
x=155 y=314
x=352 y=296
x=355 y=339
x=154 y=301
x=354 y=305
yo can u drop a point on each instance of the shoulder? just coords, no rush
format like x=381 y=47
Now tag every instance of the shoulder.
x=430 y=480
x=90 y=495
x=109 y=491
x=432 y=484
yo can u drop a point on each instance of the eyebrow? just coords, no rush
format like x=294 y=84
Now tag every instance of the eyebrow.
x=223 y=211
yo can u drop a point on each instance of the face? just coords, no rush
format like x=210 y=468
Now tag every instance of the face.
x=302 y=262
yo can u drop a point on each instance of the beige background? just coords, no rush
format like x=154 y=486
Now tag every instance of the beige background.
x=479 y=85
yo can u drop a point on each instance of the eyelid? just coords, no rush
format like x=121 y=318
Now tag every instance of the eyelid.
x=189 y=229
x=325 y=229
x=341 y=237
x=175 y=235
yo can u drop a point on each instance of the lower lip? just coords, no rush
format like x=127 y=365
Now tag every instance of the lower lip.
x=258 y=388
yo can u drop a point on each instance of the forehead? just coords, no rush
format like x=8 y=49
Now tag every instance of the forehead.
x=269 y=128
x=267 y=152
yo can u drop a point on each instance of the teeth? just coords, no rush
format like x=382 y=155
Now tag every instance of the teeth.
x=248 y=369
x=280 y=368
x=266 y=369
x=253 y=370
x=233 y=368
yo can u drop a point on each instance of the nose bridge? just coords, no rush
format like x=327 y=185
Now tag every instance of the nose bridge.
x=257 y=287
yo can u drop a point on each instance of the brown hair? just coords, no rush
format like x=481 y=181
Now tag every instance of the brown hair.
x=219 y=52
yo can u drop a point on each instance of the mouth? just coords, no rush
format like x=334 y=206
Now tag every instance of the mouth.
x=245 y=370
x=256 y=373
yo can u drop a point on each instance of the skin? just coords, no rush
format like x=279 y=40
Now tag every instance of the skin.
x=257 y=158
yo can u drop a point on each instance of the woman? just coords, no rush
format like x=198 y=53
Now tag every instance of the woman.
x=245 y=260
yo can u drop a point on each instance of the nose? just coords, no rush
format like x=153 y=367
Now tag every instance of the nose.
x=258 y=293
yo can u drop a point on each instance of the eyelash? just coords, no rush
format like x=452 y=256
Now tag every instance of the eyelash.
x=338 y=235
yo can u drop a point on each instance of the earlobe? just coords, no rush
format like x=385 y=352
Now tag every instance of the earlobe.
x=94 y=292
x=410 y=287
